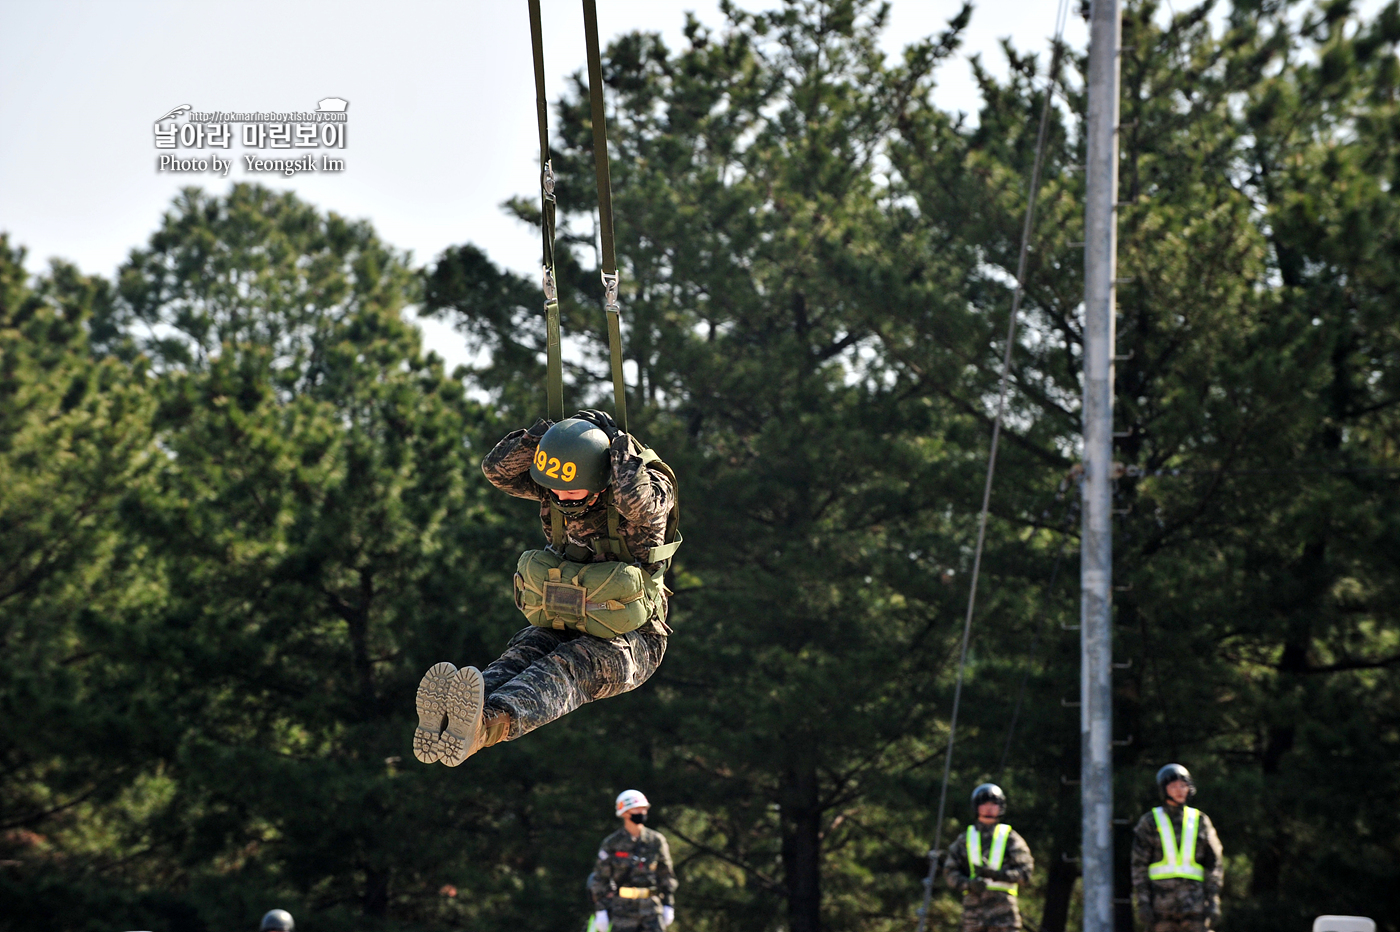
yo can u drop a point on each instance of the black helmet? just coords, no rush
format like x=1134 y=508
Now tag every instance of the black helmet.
x=988 y=793
x=573 y=454
x=277 y=920
x=1170 y=774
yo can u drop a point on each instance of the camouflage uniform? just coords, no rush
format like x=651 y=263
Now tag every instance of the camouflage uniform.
x=643 y=862
x=1177 y=904
x=593 y=904
x=544 y=673
x=990 y=909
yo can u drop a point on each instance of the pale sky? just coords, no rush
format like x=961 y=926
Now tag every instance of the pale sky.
x=441 y=114
x=441 y=106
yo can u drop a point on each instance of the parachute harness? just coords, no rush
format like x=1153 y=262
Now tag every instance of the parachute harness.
x=611 y=280
x=554 y=373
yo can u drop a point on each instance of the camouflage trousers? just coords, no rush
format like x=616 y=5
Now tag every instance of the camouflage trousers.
x=545 y=674
x=975 y=924
x=1195 y=924
x=651 y=923
x=993 y=915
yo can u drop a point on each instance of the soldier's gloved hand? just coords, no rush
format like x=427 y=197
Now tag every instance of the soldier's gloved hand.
x=600 y=921
x=977 y=885
x=668 y=915
x=601 y=420
x=540 y=427
x=990 y=874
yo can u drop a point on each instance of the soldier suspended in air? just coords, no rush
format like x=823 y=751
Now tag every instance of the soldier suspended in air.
x=988 y=863
x=1178 y=864
x=633 y=884
x=595 y=597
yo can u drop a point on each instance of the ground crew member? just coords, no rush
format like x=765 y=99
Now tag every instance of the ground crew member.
x=988 y=863
x=633 y=884
x=277 y=920
x=617 y=502
x=1178 y=864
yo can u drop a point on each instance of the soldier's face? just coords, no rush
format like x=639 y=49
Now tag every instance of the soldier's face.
x=988 y=812
x=571 y=495
x=1178 y=791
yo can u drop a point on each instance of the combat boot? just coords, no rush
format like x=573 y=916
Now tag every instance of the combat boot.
x=469 y=727
x=432 y=712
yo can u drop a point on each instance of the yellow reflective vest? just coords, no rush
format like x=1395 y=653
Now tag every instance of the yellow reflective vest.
x=994 y=857
x=1178 y=861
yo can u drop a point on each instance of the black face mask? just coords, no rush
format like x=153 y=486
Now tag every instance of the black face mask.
x=639 y=817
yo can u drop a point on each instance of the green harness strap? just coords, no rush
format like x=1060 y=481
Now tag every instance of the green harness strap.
x=673 y=537
x=614 y=545
x=554 y=368
x=605 y=214
x=554 y=378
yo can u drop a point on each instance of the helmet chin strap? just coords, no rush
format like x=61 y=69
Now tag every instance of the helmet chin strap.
x=577 y=507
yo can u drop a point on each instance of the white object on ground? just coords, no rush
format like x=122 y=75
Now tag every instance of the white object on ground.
x=1344 y=924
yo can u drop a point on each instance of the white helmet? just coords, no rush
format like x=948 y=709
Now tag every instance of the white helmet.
x=630 y=799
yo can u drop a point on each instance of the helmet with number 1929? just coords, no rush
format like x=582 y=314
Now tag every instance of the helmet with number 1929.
x=573 y=454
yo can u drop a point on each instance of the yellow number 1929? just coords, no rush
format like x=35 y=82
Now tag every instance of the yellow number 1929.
x=550 y=466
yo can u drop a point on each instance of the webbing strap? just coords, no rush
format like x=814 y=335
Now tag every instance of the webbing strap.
x=615 y=545
x=614 y=536
x=556 y=526
x=665 y=551
x=673 y=520
x=554 y=368
x=605 y=214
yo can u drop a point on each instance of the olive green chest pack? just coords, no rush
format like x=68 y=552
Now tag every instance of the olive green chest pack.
x=560 y=588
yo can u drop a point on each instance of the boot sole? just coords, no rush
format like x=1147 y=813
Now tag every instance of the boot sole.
x=433 y=690
x=465 y=700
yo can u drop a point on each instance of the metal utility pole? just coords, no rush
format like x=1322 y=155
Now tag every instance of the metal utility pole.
x=1096 y=550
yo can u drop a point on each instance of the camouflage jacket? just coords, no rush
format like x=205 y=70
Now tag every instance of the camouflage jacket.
x=624 y=861
x=643 y=496
x=1016 y=865
x=1177 y=896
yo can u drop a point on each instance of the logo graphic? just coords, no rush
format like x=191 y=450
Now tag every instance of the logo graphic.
x=297 y=131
